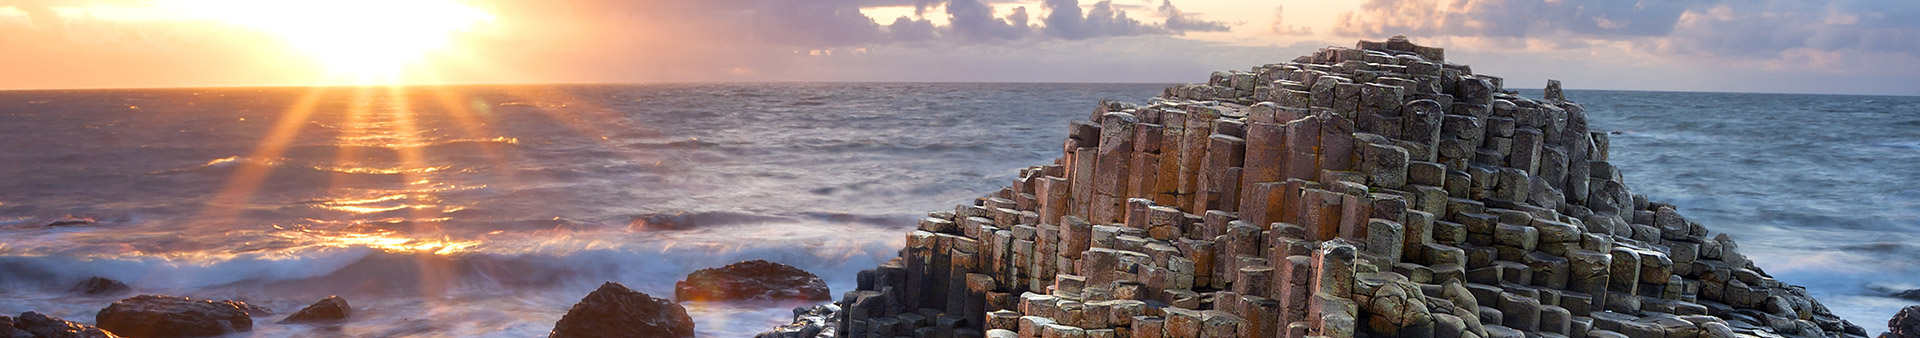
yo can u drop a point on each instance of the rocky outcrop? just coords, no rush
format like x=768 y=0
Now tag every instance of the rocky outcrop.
x=755 y=279
x=808 y=322
x=36 y=325
x=615 y=311
x=151 y=316
x=1905 y=324
x=331 y=309
x=1908 y=294
x=1374 y=191
x=101 y=286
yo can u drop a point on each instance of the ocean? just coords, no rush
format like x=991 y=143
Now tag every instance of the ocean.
x=489 y=210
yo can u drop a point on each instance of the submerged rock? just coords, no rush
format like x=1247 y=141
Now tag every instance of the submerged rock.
x=34 y=324
x=72 y=222
x=1905 y=324
x=101 y=286
x=332 y=309
x=1909 y=294
x=616 y=311
x=151 y=316
x=755 y=279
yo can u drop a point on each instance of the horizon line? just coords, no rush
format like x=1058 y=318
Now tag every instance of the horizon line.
x=460 y=84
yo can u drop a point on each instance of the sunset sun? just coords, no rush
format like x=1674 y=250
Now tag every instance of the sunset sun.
x=358 y=38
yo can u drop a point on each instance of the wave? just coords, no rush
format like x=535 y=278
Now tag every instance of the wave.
x=230 y=162
x=366 y=270
x=225 y=162
x=1902 y=144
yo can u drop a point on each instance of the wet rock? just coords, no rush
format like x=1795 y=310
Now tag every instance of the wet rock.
x=808 y=322
x=168 y=316
x=1905 y=324
x=101 y=286
x=72 y=222
x=616 y=311
x=1909 y=294
x=34 y=324
x=755 y=279
x=332 y=309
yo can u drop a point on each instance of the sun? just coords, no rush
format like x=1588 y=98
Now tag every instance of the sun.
x=359 y=38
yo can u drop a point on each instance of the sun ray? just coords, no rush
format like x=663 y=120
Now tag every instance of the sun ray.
x=352 y=126
x=227 y=203
x=436 y=274
x=470 y=121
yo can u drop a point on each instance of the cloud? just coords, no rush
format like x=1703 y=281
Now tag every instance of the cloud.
x=1512 y=18
x=1767 y=29
x=1280 y=28
x=1837 y=36
x=38 y=11
x=1179 y=22
x=973 y=19
x=909 y=29
x=1066 y=21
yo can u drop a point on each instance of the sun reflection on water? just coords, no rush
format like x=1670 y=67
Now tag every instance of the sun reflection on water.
x=385 y=240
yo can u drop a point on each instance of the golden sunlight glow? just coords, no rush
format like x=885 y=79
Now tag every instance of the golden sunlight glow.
x=386 y=241
x=363 y=38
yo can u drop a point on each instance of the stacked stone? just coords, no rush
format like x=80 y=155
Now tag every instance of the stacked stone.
x=1376 y=191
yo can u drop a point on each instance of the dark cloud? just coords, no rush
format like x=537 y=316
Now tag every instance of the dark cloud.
x=909 y=29
x=814 y=23
x=1066 y=21
x=973 y=19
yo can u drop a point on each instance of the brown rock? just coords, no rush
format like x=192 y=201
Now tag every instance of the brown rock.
x=615 y=311
x=755 y=279
x=101 y=286
x=34 y=324
x=326 y=310
x=167 y=316
x=1905 y=324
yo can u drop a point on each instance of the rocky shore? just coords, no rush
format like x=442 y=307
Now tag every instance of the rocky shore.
x=1374 y=191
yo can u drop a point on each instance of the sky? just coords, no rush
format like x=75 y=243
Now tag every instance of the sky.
x=1842 y=46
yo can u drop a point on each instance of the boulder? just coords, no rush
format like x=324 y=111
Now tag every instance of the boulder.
x=34 y=324
x=808 y=322
x=616 y=311
x=1905 y=324
x=332 y=309
x=1909 y=294
x=101 y=286
x=151 y=316
x=755 y=279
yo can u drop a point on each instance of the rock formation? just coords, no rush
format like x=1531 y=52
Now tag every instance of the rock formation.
x=150 y=316
x=1374 y=191
x=101 y=286
x=808 y=322
x=755 y=279
x=331 y=309
x=1908 y=294
x=1905 y=324
x=36 y=325
x=615 y=311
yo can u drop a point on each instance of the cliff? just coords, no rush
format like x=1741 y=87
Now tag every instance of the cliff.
x=1375 y=191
